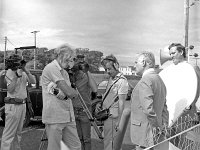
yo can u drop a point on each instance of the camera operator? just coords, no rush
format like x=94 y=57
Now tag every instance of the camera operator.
x=85 y=84
x=16 y=77
x=57 y=113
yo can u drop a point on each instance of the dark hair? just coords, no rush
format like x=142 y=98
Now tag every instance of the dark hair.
x=179 y=48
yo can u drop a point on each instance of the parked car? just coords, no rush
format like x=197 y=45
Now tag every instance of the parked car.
x=34 y=99
x=34 y=103
x=132 y=81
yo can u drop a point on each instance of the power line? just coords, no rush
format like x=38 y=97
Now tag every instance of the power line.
x=6 y=39
x=11 y=42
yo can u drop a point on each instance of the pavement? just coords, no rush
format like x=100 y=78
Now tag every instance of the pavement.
x=31 y=137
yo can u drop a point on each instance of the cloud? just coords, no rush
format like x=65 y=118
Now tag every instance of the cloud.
x=119 y=27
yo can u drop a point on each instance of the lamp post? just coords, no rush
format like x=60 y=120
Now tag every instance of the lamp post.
x=5 y=51
x=35 y=32
x=186 y=12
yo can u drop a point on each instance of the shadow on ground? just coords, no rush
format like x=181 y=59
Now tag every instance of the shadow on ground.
x=31 y=140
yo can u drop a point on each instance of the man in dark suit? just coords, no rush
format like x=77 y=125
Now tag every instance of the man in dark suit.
x=148 y=108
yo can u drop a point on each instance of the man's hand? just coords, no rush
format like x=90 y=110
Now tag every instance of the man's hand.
x=67 y=90
x=3 y=72
x=23 y=65
x=98 y=107
x=117 y=126
x=61 y=95
x=19 y=72
x=24 y=69
x=74 y=94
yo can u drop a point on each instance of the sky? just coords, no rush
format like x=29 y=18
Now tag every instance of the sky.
x=120 y=27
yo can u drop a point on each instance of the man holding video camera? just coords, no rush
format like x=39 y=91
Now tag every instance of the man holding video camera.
x=85 y=84
x=58 y=113
x=16 y=77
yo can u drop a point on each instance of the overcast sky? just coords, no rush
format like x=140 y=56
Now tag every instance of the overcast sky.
x=120 y=27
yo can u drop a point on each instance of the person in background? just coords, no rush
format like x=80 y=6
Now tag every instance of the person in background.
x=148 y=104
x=177 y=53
x=115 y=99
x=58 y=114
x=16 y=77
x=85 y=84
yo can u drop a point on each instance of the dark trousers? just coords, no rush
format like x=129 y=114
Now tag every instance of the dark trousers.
x=83 y=128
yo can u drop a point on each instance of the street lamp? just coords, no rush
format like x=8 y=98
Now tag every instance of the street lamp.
x=187 y=6
x=186 y=12
x=35 y=32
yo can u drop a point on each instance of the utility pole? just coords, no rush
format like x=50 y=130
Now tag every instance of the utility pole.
x=186 y=12
x=35 y=32
x=5 y=51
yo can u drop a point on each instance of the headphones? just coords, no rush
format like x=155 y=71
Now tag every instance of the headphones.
x=114 y=60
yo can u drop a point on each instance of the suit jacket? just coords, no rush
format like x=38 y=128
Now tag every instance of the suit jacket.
x=148 y=108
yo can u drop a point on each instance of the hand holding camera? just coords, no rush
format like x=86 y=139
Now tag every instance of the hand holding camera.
x=98 y=108
x=60 y=95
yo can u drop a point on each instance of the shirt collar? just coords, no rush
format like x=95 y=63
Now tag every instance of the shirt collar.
x=57 y=65
x=117 y=76
x=182 y=62
x=147 y=71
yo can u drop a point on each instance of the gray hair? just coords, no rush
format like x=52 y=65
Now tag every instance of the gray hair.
x=149 y=58
x=64 y=49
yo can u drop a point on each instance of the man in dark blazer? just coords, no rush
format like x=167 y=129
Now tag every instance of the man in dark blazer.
x=149 y=112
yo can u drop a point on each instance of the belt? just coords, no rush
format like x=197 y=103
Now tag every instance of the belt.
x=18 y=101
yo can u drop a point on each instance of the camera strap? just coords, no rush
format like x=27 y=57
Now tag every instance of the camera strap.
x=107 y=91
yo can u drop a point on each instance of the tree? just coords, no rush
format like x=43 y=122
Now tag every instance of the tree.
x=1 y=57
x=93 y=58
x=45 y=56
x=28 y=54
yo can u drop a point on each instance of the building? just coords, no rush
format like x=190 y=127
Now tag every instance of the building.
x=126 y=70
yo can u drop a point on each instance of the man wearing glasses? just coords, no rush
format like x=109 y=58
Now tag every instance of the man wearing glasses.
x=58 y=113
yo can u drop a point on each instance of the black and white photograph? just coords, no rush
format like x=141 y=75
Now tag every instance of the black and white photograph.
x=99 y=74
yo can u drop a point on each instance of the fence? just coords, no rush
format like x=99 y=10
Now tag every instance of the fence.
x=184 y=134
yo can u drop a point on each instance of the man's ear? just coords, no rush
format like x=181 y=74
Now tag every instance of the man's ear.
x=144 y=63
x=116 y=66
x=181 y=52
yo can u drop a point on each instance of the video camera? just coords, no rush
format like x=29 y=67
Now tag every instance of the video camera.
x=84 y=66
x=14 y=62
x=80 y=64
